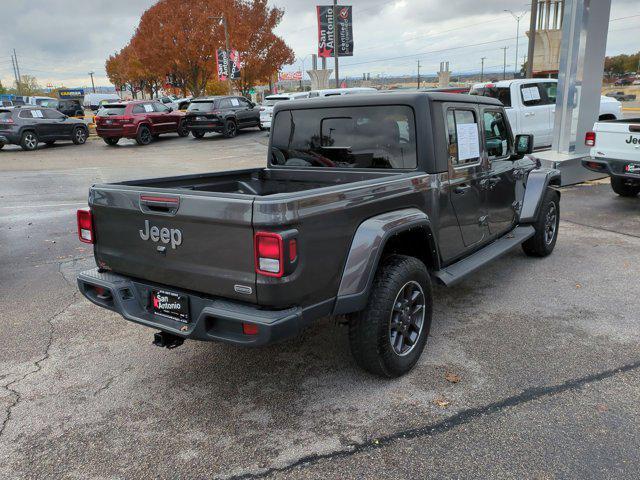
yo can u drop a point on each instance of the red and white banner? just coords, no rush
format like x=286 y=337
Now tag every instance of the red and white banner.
x=289 y=76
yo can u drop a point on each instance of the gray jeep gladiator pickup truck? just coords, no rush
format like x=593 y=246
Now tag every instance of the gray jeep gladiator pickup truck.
x=366 y=200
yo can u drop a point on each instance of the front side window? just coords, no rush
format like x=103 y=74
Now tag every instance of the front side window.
x=551 y=91
x=496 y=135
x=137 y=109
x=463 y=138
x=53 y=114
x=351 y=137
x=501 y=93
x=160 y=108
x=225 y=103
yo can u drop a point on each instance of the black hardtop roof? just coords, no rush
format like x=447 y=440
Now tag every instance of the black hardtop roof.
x=396 y=98
x=213 y=98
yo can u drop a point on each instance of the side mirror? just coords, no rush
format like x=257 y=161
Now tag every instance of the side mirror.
x=523 y=146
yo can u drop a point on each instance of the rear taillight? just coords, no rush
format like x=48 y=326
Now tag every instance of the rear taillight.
x=85 y=226
x=6 y=120
x=269 y=254
x=590 y=139
x=127 y=119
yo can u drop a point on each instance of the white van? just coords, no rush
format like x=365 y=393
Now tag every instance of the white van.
x=329 y=92
x=92 y=100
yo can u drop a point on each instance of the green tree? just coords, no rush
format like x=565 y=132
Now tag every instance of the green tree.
x=28 y=85
x=2 y=89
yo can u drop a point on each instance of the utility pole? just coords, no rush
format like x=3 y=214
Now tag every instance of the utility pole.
x=504 y=68
x=418 y=74
x=335 y=41
x=482 y=68
x=93 y=85
x=19 y=83
x=532 y=37
x=223 y=19
x=518 y=18
x=15 y=73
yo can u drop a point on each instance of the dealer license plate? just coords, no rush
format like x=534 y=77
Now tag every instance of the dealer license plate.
x=171 y=305
x=632 y=168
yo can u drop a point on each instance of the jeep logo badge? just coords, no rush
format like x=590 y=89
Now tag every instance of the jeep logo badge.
x=164 y=235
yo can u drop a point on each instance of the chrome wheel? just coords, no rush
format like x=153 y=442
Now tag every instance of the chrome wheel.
x=550 y=224
x=30 y=141
x=81 y=136
x=407 y=318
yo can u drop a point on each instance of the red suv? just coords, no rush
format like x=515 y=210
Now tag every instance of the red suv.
x=142 y=120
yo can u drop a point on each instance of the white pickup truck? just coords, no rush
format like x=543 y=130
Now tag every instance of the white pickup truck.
x=531 y=105
x=615 y=150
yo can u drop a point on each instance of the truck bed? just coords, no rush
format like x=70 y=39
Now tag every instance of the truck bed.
x=257 y=182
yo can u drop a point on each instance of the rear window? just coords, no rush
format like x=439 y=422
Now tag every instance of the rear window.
x=48 y=103
x=5 y=114
x=110 y=110
x=501 y=93
x=201 y=106
x=352 y=137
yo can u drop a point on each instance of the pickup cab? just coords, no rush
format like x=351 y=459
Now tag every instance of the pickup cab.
x=531 y=105
x=366 y=200
x=615 y=151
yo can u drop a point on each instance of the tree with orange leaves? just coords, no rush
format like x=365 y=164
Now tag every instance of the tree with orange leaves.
x=179 y=39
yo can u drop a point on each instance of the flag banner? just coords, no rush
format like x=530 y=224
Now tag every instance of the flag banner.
x=222 y=60
x=328 y=40
x=289 y=76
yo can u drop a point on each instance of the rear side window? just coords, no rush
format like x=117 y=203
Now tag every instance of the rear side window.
x=225 y=103
x=52 y=114
x=463 y=138
x=201 y=107
x=531 y=95
x=352 y=137
x=501 y=93
x=110 y=110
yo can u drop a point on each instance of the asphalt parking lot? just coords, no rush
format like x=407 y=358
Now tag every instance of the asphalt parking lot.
x=532 y=369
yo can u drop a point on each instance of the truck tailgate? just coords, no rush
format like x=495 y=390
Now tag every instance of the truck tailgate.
x=617 y=140
x=202 y=243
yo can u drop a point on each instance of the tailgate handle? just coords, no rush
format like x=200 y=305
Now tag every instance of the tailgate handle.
x=159 y=204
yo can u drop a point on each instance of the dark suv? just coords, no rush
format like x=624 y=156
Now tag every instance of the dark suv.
x=224 y=115
x=29 y=126
x=71 y=107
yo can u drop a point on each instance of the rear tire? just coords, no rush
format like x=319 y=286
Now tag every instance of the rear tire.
x=547 y=224
x=230 y=129
x=144 y=136
x=197 y=135
x=112 y=141
x=29 y=141
x=623 y=188
x=389 y=335
x=182 y=130
x=79 y=136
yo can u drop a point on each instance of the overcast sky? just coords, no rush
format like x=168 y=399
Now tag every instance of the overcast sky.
x=60 y=41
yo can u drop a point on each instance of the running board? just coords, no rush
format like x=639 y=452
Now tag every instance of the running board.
x=456 y=272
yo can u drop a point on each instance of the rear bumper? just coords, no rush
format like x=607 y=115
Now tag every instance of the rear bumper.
x=212 y=319
x=612 y=167
x=209 y=127
x=123 y=132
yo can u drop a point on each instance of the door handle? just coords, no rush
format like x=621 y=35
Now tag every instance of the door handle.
x=461 y=189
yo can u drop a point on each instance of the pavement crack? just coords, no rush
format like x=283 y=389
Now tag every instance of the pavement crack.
x=106 y=385
x=37 y=364
x=460 y=418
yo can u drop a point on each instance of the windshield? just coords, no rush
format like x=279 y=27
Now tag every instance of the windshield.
x=110 y=110
x=501 y=93
x=352 y=137
x=201 y=106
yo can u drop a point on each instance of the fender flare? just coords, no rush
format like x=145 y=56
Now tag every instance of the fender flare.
x=146 y=124
x=537 y=183
x=366 y=250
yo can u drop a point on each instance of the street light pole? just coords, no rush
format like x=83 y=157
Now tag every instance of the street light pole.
x=223 y=19
x=482 y=68
x=504 y=68
x=517 y=18
x=93 y=85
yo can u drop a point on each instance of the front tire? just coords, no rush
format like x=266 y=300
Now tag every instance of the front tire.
x=546 y=226
x=389 y=335
x=230 y=129
x=79 y=136
x=112 y=141
x=197 y=134
x=29 y=141
x=623 y=188
x=144 y=136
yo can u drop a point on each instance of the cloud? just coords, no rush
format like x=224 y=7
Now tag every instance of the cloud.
x=59 y=41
